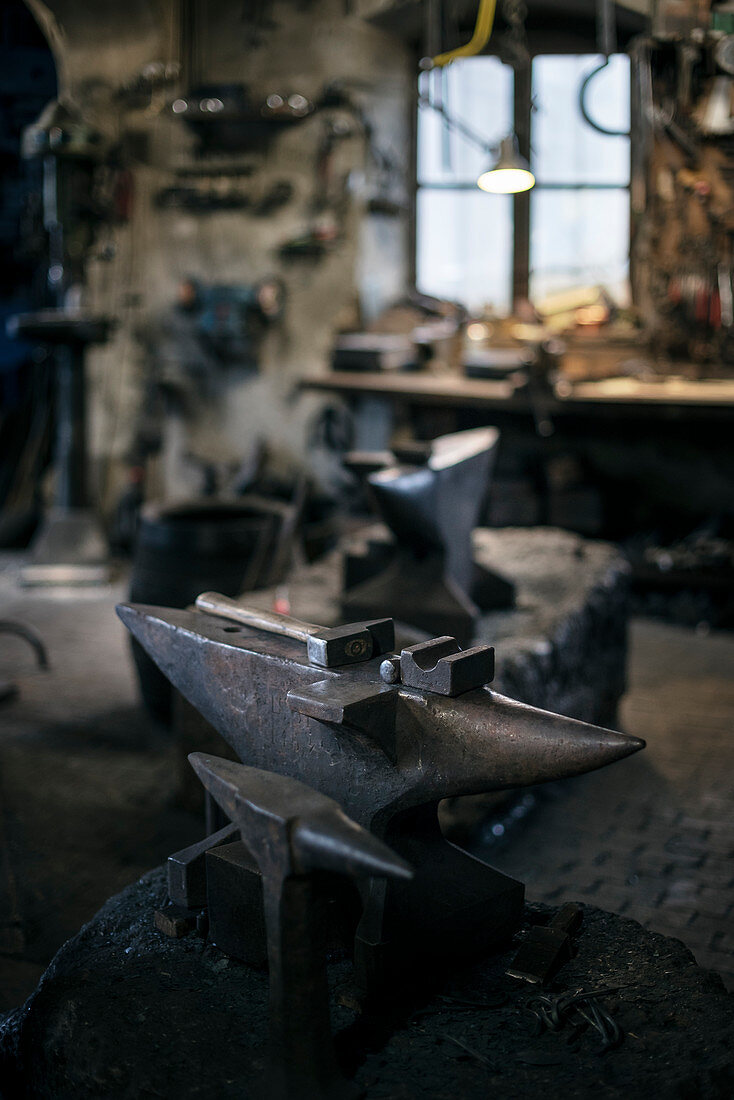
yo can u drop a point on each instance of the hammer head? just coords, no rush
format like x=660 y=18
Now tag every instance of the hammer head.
x=309 y=831
x=329 y=647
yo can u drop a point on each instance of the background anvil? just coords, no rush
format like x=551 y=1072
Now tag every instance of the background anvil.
x=424 y=572
x=388 y=754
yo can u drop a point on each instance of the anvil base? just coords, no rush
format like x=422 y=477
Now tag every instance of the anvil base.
x=166 y=1019
x=419 y=591
x=456 y=907
x=235 y=906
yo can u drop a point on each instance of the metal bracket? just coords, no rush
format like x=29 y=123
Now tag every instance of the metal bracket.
x=442 y=666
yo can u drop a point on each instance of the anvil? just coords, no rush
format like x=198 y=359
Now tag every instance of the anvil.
x=425 y=574
x=388 y=752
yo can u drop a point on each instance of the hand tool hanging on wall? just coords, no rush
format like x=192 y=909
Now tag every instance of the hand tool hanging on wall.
x=387 y=738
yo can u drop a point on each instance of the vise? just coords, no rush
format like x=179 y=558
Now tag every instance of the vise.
x=387 y=737
x=424 y=573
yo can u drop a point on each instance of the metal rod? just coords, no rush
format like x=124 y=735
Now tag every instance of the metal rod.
x=521 y=201
x=9 y=626
x=458 y=126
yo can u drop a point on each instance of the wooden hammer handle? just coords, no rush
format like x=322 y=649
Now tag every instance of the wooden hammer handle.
x=216 y=604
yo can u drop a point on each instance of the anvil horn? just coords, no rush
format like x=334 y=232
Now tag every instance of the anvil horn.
x=507 y=743
x=322 y=837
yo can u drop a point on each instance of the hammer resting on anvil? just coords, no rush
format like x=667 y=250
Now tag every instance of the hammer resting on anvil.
x=293 y=832
x=387 y=738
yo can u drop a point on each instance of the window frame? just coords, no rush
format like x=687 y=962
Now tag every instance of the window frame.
x=522 y=112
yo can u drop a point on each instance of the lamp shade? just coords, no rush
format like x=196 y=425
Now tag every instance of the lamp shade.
x=510 y=174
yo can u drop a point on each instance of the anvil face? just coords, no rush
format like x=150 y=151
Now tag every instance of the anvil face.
x=376 y=748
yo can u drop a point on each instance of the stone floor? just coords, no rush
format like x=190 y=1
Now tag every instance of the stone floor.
x=652 y=837
x=88 y=790
x=87 y=782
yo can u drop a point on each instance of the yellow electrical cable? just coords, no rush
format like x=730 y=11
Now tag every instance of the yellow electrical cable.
x=480 y=38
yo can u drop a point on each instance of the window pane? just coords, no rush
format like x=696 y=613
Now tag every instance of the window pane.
x=565 y=148
x=477 y=91
x=465 y=247
x=579 y=238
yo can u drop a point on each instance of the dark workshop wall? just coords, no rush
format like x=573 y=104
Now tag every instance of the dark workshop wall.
x=102 y=48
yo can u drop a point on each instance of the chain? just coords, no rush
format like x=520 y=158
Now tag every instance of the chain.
x=515 y=13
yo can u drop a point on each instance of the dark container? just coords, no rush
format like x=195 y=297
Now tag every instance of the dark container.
x=187 y=548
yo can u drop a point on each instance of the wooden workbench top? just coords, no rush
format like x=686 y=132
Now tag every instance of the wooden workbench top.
x=451 y=389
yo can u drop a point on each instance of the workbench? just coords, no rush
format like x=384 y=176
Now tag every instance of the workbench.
x=669 y=397
x=646 y=450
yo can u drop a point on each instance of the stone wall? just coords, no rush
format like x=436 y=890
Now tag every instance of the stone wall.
x=296 y=47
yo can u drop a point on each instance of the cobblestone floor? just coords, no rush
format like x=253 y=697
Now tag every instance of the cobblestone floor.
x=87 y=782
x=653 y=836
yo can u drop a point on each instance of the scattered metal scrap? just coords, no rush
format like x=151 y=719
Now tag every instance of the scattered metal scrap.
x=579 y=1010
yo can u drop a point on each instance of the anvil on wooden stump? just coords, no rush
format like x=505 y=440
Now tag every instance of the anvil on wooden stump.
x=387 y=736
x=424 y=572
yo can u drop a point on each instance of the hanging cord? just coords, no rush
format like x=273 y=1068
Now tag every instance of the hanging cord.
x=583 y=109
x=477 y=42
x=458 y=126
x=605 y=33
x=515 y=13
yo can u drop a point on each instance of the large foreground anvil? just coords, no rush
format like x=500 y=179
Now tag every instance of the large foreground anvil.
x=388 y=753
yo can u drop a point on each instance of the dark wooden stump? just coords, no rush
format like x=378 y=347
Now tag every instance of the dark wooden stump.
x=124 y=1011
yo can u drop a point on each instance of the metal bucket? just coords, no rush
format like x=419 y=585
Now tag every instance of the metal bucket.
x=191 y=547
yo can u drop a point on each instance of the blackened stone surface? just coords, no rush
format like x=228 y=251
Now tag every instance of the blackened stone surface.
x=562 y=647
x=125 y=1012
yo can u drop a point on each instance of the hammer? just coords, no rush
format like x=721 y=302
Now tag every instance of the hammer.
x=293 y=832
x=327 y=647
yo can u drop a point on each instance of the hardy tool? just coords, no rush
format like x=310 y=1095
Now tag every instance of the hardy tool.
x=387 y=738
x=294 y=833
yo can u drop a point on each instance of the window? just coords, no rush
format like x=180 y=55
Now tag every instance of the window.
x=579 y=208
